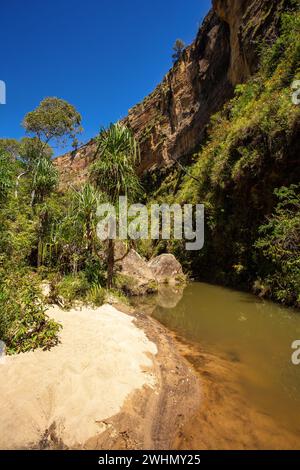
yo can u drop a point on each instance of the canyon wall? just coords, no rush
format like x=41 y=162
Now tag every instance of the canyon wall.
x=171 y=122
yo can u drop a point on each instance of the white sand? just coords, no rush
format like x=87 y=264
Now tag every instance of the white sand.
x=102 y=358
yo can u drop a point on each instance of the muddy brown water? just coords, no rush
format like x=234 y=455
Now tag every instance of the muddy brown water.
x=255 y=337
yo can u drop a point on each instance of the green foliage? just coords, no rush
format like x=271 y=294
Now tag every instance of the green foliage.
x=94 y=270
x=126 y=284
x=44 y=178
x=252 y=148
x=96 y=295
x=115 y=295
x=10 y=146
x=17 y=225
x=113 y=172
x=7 y=173
x=73 y=234
x=24 y=326
x=31 y=149
x=279 y=245
x=284 y=56
x=54 y=119
x=72 y=288
x=29 y=211
x=84 y=209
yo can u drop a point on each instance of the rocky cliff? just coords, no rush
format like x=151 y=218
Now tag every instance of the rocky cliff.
x=171 y=122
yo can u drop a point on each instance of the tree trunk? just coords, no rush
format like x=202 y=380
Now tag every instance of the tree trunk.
x=17 y=183
x=40 y=253
x=110 y=263
x=32 y=198
x=89 y=236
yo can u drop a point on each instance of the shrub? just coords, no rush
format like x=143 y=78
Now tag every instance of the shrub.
x=279 y=247
x=251 y=149
x=73 y=288
x=94 y=271
x=24 y=325
x=96 y=295
x=7 y=172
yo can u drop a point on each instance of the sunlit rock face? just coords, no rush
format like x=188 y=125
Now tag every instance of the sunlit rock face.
x=251 y=22
x=171 y=122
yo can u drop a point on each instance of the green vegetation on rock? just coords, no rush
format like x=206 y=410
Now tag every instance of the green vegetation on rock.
x=252 y=149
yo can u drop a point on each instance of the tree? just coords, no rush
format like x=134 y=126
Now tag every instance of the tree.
x=178 y=49
x=31 y=150
x=53 y=120
x=44 y=179
x=10 y=146
x=114 y=174
x=74 y=234
x=7 y=172
x=84 y=208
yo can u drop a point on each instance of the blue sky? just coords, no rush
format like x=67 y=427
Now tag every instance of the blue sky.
x=103 y=56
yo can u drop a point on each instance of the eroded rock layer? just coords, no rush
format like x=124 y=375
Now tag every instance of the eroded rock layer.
x=170 y=123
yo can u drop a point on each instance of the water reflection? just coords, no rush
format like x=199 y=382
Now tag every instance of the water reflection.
x=168 y=297
x=243 y=329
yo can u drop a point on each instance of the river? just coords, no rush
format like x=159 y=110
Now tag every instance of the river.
x=253 y=338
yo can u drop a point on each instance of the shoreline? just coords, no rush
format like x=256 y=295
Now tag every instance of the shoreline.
x=137 y=394
x=179 y=396
x=152 y=420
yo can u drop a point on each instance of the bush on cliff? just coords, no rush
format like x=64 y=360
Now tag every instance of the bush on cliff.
x=252 y=149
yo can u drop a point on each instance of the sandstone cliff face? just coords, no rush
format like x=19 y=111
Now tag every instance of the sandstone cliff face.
x=170 y=123
x=73 y=166
x=251 y=22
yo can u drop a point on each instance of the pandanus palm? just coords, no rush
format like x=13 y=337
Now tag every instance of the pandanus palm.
x=44 y=179
x=85 y=211
x=75 y=235
x=113 y=172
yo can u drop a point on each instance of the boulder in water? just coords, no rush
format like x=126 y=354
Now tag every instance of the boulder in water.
x=166 y=269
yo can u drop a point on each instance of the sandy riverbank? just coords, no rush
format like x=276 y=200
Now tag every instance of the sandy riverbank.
x=104 y=386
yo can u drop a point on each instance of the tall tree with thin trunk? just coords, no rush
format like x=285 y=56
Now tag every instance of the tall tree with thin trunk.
x=54 y=120
x=113 y=173
x=84 y=210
